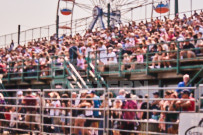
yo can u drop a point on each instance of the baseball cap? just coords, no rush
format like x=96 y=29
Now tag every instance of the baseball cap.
x=186 y=92
x=156 y=93
x=91 y=92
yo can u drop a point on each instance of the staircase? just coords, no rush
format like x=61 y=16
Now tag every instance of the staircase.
x=70 y=79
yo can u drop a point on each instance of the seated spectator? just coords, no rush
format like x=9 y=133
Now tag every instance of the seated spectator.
x=199 y=43
x=80 y=62
x=187 y=53
x=139 y=55
x=158 y=57
x=112 y=59
x=171 y=55
x=125 y=62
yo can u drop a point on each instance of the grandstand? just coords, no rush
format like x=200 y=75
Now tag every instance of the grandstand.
x=139 y=78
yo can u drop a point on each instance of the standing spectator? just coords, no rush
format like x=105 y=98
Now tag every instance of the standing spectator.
x=30 y=100
x=11 y=45
x=184 y=83
x=155 y=103
x=188 y=105
x=97 y=104
x=116 y=115
x=2 y=109
x=73 y=53
x=55 y=112
x=121 y=95
x=128 y=115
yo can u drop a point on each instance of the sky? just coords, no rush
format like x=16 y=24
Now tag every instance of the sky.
x=36 y=13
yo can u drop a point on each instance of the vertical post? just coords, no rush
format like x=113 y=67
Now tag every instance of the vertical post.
x=178 y=59
x=5 y=41
x=18 y=34
x=48 y=32
x=108 y=16
x=22 y=76
x=38 y=71
x=120 y=63
x=191 y=6
x=176 y=7
x=88 y=65
x=147 y=60
x=25 y=37
x=57 y=21
x=145 y=12
x=161 y=90
x=57 y=29
x=9 y=72
x=131 y=14
x=152 y=9
x=40 y=32
x=32 y=34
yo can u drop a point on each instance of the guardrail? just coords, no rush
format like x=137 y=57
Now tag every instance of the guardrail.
x=128 y=59
x=96 y=111
x=48 y=30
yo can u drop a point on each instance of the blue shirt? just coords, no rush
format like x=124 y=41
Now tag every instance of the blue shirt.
x=181 y=84
x=97 y=104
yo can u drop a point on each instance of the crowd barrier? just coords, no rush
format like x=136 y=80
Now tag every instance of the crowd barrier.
x=73 y=111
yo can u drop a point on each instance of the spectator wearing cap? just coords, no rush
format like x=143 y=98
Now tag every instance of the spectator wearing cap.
x=97 y=104
x=188 y=50
x=155 y=103
x=184 y=83
x=186 y=105
x=111 y=56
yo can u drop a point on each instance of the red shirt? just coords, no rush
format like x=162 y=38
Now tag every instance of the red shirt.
x=192 y=106
x=30 y=102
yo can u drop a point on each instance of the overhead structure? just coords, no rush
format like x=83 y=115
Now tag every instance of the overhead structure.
x=97 y=12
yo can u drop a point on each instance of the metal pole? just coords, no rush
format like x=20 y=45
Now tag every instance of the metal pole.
x=57 y=21
x=176 y=7
x=108 y=16
x=152 y=9
x=71 y=30
x=191 y=6
x=18 y=34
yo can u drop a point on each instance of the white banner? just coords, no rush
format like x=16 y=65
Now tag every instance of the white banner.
x=191 y=124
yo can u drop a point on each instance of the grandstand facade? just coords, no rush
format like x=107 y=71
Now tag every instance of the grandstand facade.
x=140 y=78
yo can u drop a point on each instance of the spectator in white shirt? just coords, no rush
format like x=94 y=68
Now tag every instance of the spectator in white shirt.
x=102 y=54
x=111 y=56
x=55 y=112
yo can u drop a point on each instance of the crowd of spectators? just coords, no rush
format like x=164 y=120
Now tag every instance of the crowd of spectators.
x=92 y=110
x=130 y=40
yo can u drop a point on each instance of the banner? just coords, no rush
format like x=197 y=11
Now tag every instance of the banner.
x=191 y=124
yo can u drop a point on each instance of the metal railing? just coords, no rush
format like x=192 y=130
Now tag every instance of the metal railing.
x=177 y=63
x=71 y=111
x=79 y=26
